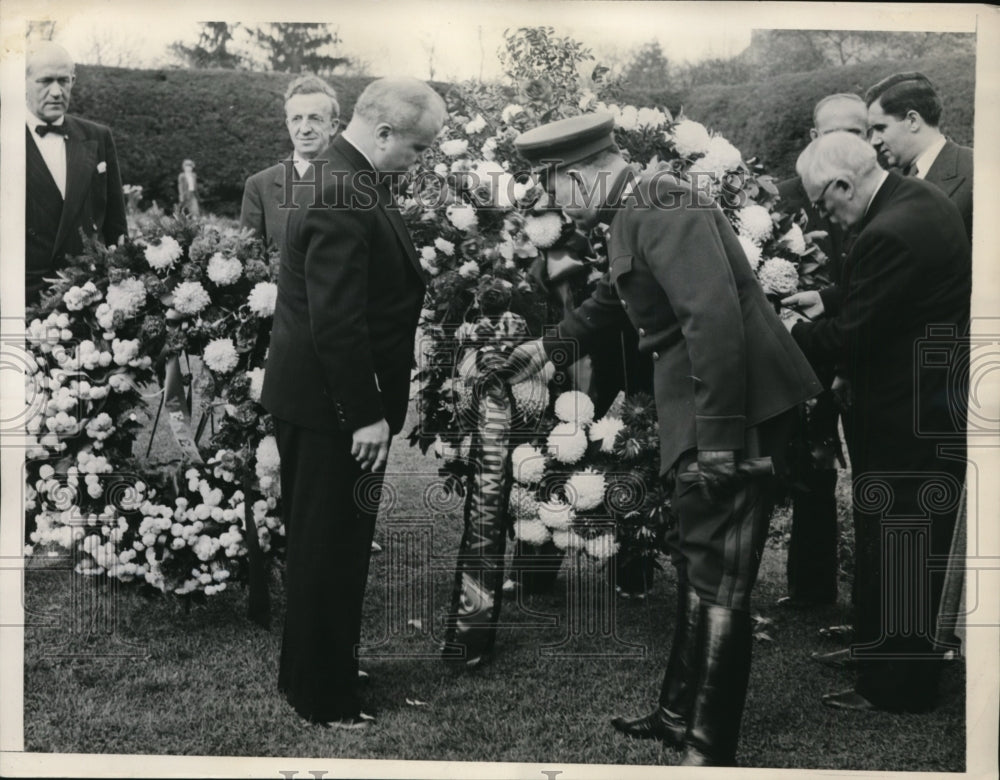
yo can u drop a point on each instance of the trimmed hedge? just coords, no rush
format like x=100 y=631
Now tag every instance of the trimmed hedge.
x=231 y=123
x=771 y=119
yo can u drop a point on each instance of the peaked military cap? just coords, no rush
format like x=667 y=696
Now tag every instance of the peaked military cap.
x=566 y=141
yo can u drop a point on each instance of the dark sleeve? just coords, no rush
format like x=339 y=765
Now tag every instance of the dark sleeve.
x=601 y=311
x=689 y=260
x=878 y=292
x=115 y=221
x=832 y=297
x=337 y=256
x=252 y=210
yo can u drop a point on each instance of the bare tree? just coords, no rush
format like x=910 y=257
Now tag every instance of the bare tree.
x=41 y=31
x=103 y=46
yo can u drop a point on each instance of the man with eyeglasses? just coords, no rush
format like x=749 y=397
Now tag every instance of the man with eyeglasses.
x=904 y=291
x=812 y=571
x=73 y=182
x=312 y=118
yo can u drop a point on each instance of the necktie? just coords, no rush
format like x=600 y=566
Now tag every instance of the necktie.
x=45 y=129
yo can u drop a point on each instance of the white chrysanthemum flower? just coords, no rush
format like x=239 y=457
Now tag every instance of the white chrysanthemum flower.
x=627 y=118
x=527 y=463
x=574 y=406
x=76 y=298
x=476 y=125
x=223 y=270
x=751 y=250
x=469 y=269
x=190 y=298
x=720 y=158
x=543 y=231
x=163 y=255
x=602 y=547
x=567 y=539
x=256 y=383
x=463 y=216
x=220 y=355
x=555 y=514
x=585 y=489
x=690 y=138
x=268 y=460
x=125 y=350
x=446 y=248
x=651 y=118
x=428 y=253
x=605 y=431
x=510 y=111
x=567 y=443
x=522 y=503
x=263 y=298
x=126 y=296
x=489 y=150
x=531 y=397
x=531 y=531
x=755 y=223
x=455 y=147
x=778 y=276
x=794 y=240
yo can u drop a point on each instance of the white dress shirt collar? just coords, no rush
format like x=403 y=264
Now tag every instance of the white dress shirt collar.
x=301 y=164
x=34 y=121
x=882 y=177
x=347 y=138
x=926 y=159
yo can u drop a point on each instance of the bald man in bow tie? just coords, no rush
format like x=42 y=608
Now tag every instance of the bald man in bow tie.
x=73 y=182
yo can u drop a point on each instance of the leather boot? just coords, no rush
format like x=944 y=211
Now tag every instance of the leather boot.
x=668 y=722
x=724 y=647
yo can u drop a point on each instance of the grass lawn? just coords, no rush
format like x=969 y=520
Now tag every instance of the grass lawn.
x=202 y=680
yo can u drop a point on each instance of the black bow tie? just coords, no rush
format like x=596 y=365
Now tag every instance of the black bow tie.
x=45 y=129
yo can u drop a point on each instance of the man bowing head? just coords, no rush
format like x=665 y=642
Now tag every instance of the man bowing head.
x=726 y=377
x=350 y=289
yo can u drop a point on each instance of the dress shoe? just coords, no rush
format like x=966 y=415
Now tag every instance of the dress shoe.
x=836 y=659
x=376 y=547
x=360 y=721
x=848 y=700
x=364 y=679
x=796 y=602
x=660 y=724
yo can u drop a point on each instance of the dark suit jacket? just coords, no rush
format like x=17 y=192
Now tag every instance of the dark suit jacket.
x=350 y=290
x=722 y=361
x=264 y=195
x=94 y=201
x=952 y=172
x=910 y=268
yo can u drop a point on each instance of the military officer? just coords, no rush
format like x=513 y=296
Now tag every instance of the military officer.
x=726 y=377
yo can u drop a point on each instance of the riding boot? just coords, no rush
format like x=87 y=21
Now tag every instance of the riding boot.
x=668 y=722
x=723 y=652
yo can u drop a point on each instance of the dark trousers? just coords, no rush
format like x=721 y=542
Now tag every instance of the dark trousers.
x=718 y=543
x=329 y=508
x=906 y=500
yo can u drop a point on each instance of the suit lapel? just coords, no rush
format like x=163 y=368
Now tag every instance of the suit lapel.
x=944 y=171
x=385 y=202
x=39 y=177
x=81 y=160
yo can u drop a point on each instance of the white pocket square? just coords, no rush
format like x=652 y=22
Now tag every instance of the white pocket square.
x=102 y=166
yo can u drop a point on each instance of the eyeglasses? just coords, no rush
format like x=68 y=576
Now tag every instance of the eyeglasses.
x=819 y=204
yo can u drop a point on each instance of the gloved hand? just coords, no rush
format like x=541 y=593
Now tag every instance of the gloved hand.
x=718 y=472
